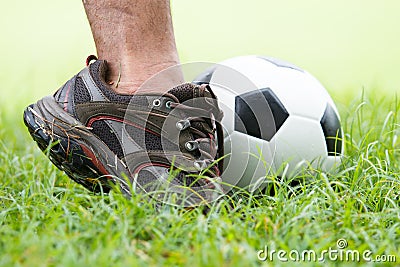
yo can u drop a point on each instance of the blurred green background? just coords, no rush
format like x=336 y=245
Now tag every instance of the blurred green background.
x=347 y=45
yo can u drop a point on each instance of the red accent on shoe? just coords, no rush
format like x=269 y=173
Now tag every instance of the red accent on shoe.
x=90 y=59
x=96 y=162
x=148 y=164
x=98 y=118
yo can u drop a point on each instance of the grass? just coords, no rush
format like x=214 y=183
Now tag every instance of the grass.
x=48 y=220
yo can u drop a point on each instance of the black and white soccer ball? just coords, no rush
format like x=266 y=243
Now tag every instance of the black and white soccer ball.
x=278 y=119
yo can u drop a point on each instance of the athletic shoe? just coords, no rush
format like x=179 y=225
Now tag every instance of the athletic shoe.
x=164 y=145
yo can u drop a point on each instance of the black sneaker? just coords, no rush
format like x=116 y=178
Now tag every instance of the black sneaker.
x=165 y=145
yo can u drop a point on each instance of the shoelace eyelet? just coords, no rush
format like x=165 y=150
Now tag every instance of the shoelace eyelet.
x=156 y=102
x=182 y=124
x=191 y=145
x=168 y=104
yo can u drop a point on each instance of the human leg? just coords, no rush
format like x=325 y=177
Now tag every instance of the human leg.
x=136 y=39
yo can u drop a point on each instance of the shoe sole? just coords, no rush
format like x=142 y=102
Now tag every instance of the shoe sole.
x=73 y=148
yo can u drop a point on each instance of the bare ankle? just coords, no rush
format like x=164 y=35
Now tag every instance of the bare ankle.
x=134 y=77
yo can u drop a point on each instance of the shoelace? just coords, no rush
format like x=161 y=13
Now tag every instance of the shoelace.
x=210 y=115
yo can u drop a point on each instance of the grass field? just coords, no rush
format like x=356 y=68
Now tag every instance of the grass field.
x=47 y=220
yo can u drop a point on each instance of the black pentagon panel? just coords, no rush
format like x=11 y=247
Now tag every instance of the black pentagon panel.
x=280 y=63
x=205 y=77
x=259 y=113
x=278 y=110
x=245 y=118
x=332 y=131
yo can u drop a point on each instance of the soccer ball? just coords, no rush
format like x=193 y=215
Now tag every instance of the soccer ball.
x=278 y=119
